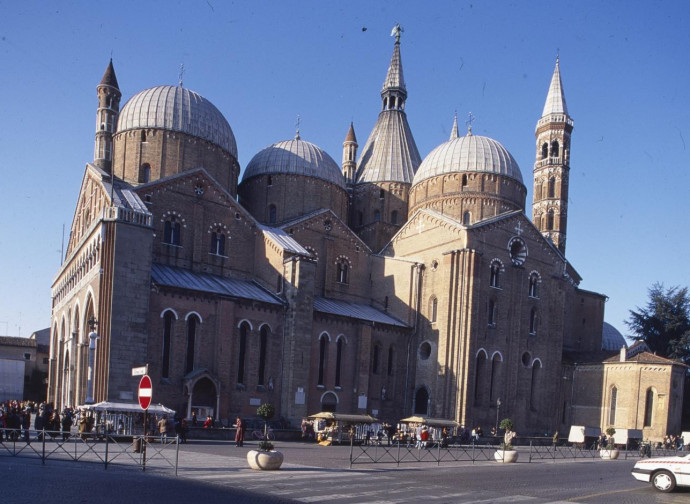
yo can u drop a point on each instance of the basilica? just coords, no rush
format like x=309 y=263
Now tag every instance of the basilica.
x=391 y=284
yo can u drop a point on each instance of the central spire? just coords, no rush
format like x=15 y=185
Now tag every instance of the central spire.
x=394 y=92
x=555 y=100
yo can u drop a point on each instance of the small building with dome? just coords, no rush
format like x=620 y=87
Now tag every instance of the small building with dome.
x=391 y=285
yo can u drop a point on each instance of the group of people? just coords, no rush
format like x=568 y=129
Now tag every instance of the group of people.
x=15 y=420
x=179 y=426
x=673 y=442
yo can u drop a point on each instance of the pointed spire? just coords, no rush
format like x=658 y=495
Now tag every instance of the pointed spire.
x=297 y=137
x=394 y=77
x=350 y=137
x=454 y=132
x=555 y=100
x=470 y=119
x=109 y=78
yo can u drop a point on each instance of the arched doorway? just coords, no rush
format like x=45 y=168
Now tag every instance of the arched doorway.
x=421 y=401
x=204 y=399
x=329 y=401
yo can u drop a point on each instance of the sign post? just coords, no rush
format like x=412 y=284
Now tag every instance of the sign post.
x=145 y=395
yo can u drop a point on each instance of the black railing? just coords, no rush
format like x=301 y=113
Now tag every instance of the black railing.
x=151 y=451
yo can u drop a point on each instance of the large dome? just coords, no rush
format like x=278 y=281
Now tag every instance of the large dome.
x=612 y=339
x=471 y=153
x=175 y=108
x=295 y=157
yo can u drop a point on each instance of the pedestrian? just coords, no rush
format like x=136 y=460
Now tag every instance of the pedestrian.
x=239 y=432
x=66 y=424
x=163 y=428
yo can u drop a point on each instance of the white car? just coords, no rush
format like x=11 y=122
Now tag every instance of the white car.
x=664 y=473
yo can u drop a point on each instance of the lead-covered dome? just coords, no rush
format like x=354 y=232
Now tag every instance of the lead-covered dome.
x=471 y=153
x=295 y=157
x=611 y=338
x=175 y=108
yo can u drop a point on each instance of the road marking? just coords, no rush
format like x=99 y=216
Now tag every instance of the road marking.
x=612 y=492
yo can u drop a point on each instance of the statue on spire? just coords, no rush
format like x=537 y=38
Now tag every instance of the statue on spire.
x=397 y=30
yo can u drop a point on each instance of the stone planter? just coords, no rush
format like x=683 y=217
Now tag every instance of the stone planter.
x=506 y=456
x=264 y=460
x=609 y=454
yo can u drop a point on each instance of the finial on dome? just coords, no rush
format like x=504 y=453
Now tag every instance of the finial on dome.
x=454 y=132
x=469 y=121
x=397 y=30
x=297 y=131
x=180 y=75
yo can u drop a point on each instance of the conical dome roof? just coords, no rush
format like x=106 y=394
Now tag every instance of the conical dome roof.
x=295 y=157
x=471 y=153
x=175 y=108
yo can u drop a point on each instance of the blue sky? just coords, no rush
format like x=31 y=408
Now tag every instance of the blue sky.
x=623 y=63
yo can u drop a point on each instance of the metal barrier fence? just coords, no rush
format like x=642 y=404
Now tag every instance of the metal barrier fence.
x=150 y=452
x=401 y=452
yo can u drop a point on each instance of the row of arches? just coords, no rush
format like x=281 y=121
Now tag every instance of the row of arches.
x=489 y=379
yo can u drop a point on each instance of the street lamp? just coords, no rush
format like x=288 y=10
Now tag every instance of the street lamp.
x=498 y=408
x=93 y=337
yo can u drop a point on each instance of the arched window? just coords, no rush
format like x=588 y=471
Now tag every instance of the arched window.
x=467 y=218
x=464 y=181
x=551 y=188
x=533 y=322
x=168 y=320
x=534 y=285
x=649 y=408
x=171 y=231
x=263 y=348
x=242 y=352
x=537 y=191
x=323 y=347
x=535 y=386
x=338 y=360
x=394 y=217
x=495 y=274
x=544 y=150
x=192 y=322
x=549 y=219
x=375 y=359
x=143 y=135
x=144 y=173
x=480 y=369
x=218 y=242
x=494 y=386
x=382 y=193
x=377 y=216
x=391 y=354
x=272 y=214
x=492 y=313
x=342 y=272
x=612 y=406
x=433 y=309
x=555 y=149
x=269 y=180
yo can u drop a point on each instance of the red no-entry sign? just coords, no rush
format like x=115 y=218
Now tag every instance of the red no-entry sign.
x=145 y=392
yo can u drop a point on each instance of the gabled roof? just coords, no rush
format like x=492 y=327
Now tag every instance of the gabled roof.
x=171 y=276
x=646 y=358
x=303 y=221
x=354 y=310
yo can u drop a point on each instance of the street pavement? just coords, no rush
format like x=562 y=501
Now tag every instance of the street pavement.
x=212 y=471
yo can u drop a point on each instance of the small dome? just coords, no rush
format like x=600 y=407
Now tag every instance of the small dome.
x=611 y=339
x=175 y=108
x=295 y=157
x=471 y=153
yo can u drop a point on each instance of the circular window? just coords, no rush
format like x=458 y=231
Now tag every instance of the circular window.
x=425 y=350
x=526 y=359
x=518 y=250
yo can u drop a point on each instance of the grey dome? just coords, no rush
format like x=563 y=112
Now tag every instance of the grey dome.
x=471 y=153
x=175 y=108
x=611 y=339
x=295 y=157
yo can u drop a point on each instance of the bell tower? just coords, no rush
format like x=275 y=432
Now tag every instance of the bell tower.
x=552 y=166
x=350 y=155
x=106 y=118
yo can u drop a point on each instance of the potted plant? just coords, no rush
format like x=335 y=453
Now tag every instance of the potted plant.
x=609 y=452
x=507 y=454
x=265 y=457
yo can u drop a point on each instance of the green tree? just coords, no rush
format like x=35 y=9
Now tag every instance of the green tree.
x=664 y=324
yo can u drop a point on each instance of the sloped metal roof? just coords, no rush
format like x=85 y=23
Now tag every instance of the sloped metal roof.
x=171 y=276
x=390 y=154
x=354 y=310
x=287 y=242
